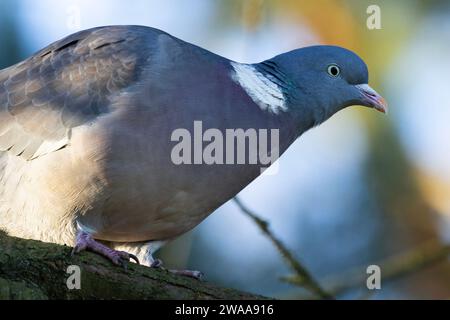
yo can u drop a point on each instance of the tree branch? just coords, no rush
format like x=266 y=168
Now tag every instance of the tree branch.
x=36 y=270
x=302 y=275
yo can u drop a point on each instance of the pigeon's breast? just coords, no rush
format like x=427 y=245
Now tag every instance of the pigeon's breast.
x=149 y=197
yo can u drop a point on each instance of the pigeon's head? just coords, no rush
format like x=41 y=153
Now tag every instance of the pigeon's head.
x=322 y=80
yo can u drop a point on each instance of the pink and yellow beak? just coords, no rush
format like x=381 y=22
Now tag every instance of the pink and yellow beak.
x=372 y=99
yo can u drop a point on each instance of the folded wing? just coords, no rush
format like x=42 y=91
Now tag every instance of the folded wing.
x=65 y=85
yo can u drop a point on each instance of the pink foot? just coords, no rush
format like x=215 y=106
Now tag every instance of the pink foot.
x=86 y=242
x=186 y=273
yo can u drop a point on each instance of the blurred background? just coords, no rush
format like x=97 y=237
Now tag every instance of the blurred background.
x=359 y=190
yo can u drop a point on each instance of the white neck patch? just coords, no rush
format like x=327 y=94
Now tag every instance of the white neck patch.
x=263 y=91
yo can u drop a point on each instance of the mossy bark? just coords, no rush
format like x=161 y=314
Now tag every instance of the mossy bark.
x=36 y=270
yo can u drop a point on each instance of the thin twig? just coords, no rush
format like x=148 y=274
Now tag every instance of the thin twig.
x=396 y=267
x=391 y=269
x=303 y=276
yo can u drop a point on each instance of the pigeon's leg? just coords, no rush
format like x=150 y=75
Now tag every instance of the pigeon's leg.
x=145 y=252
x=86 y=242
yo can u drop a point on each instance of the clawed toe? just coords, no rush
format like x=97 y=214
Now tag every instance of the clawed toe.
x=188 y=273
x=77 y=249
x=86 y=242
x=134 y=258
x=121 y=258
x=156 y=264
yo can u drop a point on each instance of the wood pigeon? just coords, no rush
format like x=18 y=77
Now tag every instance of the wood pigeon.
x=93 y=127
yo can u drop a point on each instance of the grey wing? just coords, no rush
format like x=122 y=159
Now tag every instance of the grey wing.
x=66 y=85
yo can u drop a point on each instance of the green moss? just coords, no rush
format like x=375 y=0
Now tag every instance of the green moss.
x=35 y=270
x=19 y=290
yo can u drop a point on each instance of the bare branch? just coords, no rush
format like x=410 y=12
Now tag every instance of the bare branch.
x=303 y=276
x=392 y=268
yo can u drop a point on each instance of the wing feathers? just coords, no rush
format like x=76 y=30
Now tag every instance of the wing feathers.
x=66 y=85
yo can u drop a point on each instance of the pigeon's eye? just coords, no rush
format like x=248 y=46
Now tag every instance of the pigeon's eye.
x=333 y=70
